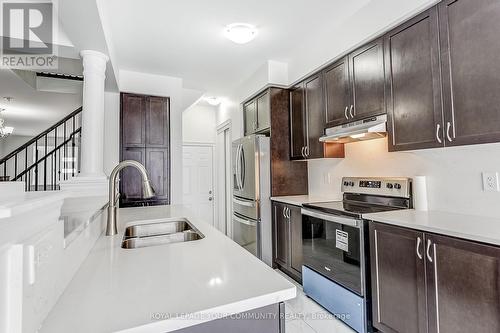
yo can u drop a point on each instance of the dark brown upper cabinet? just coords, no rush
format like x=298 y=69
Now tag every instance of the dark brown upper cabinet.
x=145 y=137
x=263 y=112
x=366 y=73
x=257 y=114
x=354 y=85
x=307 y=122
x=287 y=177
x=423 y=282
x=413 y=84
x=133 y=109
x=297 y=122
x=337 y=93
x=157 y=123
x=313 y=88
x=470 y=46
x=250 y=117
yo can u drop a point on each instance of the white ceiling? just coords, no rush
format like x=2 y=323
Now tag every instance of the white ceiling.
x=32 y=111
x=184 y=38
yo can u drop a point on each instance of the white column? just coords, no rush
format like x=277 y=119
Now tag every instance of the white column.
x=92 y=142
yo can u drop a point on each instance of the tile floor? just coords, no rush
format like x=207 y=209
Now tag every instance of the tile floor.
x=303 y=315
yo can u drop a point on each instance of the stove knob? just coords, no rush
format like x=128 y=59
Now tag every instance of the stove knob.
x=351 y=183
x=389 y=186
x=346 y=183
x=397 y=186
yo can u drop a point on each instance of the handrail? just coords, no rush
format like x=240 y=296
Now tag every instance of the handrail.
x=39 y=136
x=34 y=165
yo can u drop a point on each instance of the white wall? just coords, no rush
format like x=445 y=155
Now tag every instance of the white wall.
x=111 y=131
x=454 y=178
x=198 y=124
x=8 y=144
x=158 y=85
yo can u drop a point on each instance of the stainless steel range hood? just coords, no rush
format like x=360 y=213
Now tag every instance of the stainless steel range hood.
x=361 y=130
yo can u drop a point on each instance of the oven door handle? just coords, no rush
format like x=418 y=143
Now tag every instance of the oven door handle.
x=331 y=218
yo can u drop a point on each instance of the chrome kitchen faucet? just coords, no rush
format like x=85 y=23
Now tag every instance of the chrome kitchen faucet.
x=148 y=192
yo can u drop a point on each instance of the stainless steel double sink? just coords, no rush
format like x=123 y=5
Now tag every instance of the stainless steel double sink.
x=160 y=232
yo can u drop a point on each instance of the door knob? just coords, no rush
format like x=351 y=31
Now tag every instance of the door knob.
x=210 y=198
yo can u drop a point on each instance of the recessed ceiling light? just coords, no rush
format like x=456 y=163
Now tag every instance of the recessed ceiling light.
x=213 y=100
x=240 y=33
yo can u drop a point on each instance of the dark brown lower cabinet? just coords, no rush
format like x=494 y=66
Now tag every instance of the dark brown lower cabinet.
x=287 y=229
x=463 y=281
x=424 y=282
x=398 y=280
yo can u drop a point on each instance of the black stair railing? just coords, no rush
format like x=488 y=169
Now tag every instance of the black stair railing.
x=47 y=159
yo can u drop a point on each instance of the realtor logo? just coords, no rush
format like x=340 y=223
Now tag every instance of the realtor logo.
x=28 y=35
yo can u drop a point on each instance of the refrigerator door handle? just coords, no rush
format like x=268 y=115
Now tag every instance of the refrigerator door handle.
x=238 y=167
x=242 y=169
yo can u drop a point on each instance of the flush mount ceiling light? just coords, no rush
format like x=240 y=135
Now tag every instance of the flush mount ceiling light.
x=240 y=33
x=214 y=101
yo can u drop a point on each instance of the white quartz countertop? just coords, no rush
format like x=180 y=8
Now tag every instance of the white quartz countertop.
x=470 y=227
x=20 y=203
x=299 y=200
x=78 y=212
x=164 y=288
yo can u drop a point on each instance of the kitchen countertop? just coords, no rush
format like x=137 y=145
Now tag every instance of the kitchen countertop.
x=78 y=212
x=299 y=200
x=470 y=227
x=20 y=203
x=164 y=288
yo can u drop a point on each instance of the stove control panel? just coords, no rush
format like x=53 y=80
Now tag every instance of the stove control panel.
x=393 y=187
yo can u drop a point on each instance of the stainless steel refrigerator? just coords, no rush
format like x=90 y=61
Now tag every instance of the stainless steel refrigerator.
x=251 y=219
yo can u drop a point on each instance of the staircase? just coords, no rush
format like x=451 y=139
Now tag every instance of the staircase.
x=47 y=159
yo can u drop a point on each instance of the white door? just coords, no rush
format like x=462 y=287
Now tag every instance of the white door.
x=198 y=192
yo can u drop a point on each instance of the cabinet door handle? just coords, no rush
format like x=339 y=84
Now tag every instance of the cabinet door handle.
x=306 y=151
x=419 y=242
x=351 y=111
x=284 y=212
x=448 y=135
x=428 y=251
x=289 y=214
x=345 y=112
x=302 y=152
x=438 y=133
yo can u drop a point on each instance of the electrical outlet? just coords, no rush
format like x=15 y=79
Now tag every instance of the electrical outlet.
x=490 y=182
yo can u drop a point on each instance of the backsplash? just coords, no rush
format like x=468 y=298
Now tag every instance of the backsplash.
x=454 y=181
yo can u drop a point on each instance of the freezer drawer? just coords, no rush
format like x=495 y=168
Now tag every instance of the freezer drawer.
x=245 y=233
x=247 y=208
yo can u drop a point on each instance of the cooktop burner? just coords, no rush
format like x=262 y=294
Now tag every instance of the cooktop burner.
x=353 y=209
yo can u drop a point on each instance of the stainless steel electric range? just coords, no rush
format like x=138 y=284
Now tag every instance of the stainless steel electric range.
x=335 y=242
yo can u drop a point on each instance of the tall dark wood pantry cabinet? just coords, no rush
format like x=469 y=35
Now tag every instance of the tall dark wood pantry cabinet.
x=145 y=137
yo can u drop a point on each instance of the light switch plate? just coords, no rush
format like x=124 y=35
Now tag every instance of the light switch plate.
x=490 y=182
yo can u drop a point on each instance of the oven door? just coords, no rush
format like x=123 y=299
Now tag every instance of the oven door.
x=331 y=246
